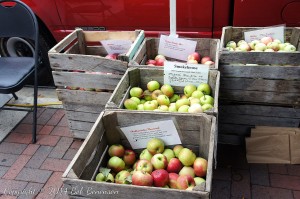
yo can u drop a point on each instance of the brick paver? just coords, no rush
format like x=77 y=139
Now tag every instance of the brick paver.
x=46 y=116
x=39 y=157
x=63 y=121
x=76 y=144
x=222 y=174
x=21 y=138
x=48 y=140
x=221 y=189
x=34 y=175
x=11 y=187
x=296 y=194
x=12 y=148
x=7 y=159
x=46 y=130
x=241 y=184
x=61 y=147
x=55 y=164
x=70 y=154
x=3 y=170
x=15 y=169
x=285 y=181
x=52 y=187
x=31 y=149
x=294 y=169
x=31 y=190
x=61 y=131
x=259 y=174
x=277 y=168
x=270 y=192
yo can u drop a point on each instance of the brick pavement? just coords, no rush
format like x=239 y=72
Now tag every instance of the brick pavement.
x=27 y=168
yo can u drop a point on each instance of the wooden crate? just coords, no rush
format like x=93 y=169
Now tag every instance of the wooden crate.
x=275 y=80
x=141 y=76
x=198 y=133
x=78 y=62
x=149 y=49
x=236 y=120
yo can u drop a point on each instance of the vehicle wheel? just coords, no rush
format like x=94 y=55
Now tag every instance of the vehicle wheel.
x=16 y=46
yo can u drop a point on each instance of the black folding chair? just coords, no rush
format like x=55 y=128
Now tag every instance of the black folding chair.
x=17 y=20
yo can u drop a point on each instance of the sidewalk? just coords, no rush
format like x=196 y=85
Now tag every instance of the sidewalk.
x=30 y=168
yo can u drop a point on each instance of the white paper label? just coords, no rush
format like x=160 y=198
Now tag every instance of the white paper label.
x=274 y=32
x=139 y=135
x=176 y=48
x=116 y=46
x=181 y=74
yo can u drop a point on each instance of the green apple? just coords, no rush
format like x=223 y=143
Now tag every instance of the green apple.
x=121 y=177
x=155 y=102
x=144 y=165
x=187 y=157
x=289 y=48
x=204 y=88
x=163 y=108
x=183 y=109
x=147 y=95
x=156 y=93
x=136 y=99
x=207 y=99
x=140 y=107
x=195 y=108
x=177 y=149
x=143 y=101
x=136 y=92
x=145 y=155
x=116 y=150
x=153 y=85
x=130 y=104
x=187 y=170
x=282 y=46
x=194 y=100
x=231 y=44
x=199 y=180
x=149 y=106
x=174 y=98
x=189 y=89
x=163 y=100
x=277 y=41
x=169 y=153
x=197 y=94
x=102 y=178
x=206 y=107
x=182 y=102
x=241 y=42
x=155 y=145
x=260 y=47
x=159 y=161
x=167 y=90
x=172 y=107
x=253 y=43
x=116 y=164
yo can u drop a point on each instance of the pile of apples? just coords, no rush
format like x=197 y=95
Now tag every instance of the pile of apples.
x=194 y=58
x=265 y=44
x=162 y=98
x=176 y=168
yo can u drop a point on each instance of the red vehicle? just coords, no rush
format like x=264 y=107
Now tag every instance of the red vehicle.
x=195 y=18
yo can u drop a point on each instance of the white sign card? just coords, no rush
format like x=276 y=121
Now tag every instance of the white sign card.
x=176 y=48
x=181 y=74
x=139 y=135
x=274 y=32
x=116 y=46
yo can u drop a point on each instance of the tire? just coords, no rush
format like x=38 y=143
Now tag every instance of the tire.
x=16 y=46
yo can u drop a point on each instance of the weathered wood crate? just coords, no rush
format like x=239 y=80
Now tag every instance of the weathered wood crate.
x=274 y=81
x=141 y=76
x=80 y=69
x=198 y=133
x=149 y=49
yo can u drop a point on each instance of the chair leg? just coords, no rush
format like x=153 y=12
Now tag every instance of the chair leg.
x=15 y=96
x=34 y=123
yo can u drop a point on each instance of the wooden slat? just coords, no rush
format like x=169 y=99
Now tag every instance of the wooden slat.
x=79 y=134
x=86 y=80
x=64 y=42
x=96 y=36
x=81 y=42
x=83 y=107
x=80 y=125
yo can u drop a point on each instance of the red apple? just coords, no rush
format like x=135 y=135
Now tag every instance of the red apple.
x=129 y=157
x=141 y=178
x=159 y=57
x=209 y=63
x=144 y=165
x=194 y=56
x=174 y=165
x=266 y=40
x=205 y=59
x=187 y=171
x=160 y=177
x=151 y=61
x=200 y=167
x=111 y=56
x=121 y=177
x=116 y=164
x=173 y=180
x=116 y=150
x=185 y=181
x=160 y=62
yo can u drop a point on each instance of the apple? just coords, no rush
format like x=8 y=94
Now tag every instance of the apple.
x=186 y=157
x=174 y=165
x=241 y=42
x=155 y=102
x=183 y=109
x=194 y=100
x=147 y=95
x=269 y=50
x=273 y=45
x=260 y=47
x=204 y=88
x=174 y=98
x=195 y=108
x=277 y=41
x=197 y=93
x=160 y=62
x=173 y=180
x=181 y=102
x=183 y=97
x=136 y=92
x=289 y=48
x=230 y=49
x=172 y=107
x=156 y=93
x=159 y=57
x=159 y=161
x=187 y=171
x=153 y=85
x=141 y=178
x=163 y=100
x=160 y=177
x=140 y=107
x=244 y=47
x=149 y=105
x=167 y=90
x=169 y=153
x=116 y=150
x=145 y=155
x=253 y=43
x=163 y=108
x=207 y=99
x=266 y=40
x=100 y=177
x=185 y=181
x=209 y=63
x=116 y=164
x=195 y=56
x=121 y=177
x=143 y=101
x=282 y=46
x=129 y=157
x=177 y=150
x=200 y=167
x=151 y=62
x=231 y=44
x=136 y=99
x=155 y=145
x=189 y=89
x=111 y=56
x=192 y=61
x=144 y=165
x=199 y=180
x=206 y=107
x=130 y=104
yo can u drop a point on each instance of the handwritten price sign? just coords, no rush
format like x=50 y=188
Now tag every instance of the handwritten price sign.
x=274 y=32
